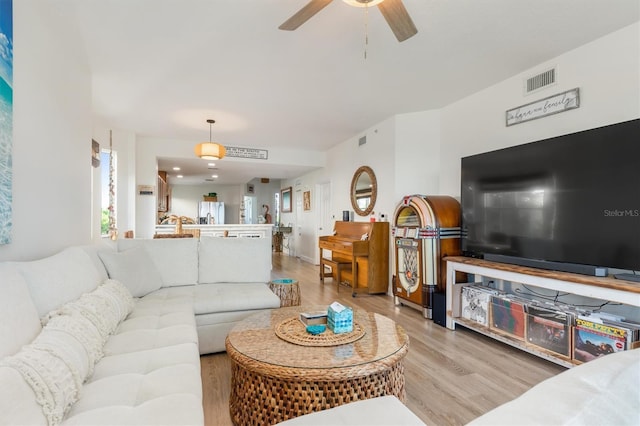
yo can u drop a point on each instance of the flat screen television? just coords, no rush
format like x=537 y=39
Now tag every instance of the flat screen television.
x=571 y=199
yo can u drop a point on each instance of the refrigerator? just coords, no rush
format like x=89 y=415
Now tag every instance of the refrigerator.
x=211 y=213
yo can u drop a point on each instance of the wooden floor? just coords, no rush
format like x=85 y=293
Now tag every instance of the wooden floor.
x=452 y=377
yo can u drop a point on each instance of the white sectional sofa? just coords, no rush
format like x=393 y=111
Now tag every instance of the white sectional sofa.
x=112 y=335
x=605 y=391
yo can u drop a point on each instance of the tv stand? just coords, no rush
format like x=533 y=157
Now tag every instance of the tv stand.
x=575 y=268
x=628 y=277
x=604 y=288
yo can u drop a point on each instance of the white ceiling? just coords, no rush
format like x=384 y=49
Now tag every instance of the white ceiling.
x=162 y=67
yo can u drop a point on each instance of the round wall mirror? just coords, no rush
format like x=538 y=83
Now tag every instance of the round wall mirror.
x=364 y=190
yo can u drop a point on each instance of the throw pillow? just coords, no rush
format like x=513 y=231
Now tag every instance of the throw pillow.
x=120 y=300
x=55 y=366
x=84 y=332
x=134 y=268
x=105 y=307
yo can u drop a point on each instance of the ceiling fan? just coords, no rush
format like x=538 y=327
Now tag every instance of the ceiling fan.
x=393 y=11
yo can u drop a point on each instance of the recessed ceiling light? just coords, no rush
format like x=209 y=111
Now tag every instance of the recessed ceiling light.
x=176 y=168
x=211 y=164
x=179 y=176
x=214 y=176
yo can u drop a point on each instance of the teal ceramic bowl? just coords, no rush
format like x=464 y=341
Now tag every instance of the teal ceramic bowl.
x=316 y=329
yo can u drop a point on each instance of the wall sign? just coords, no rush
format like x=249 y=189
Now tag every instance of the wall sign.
x=552 y=105
x=239 y=152
x=146 y=189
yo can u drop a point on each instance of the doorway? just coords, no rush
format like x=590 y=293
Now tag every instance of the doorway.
x=324 y=220
x=246 y=210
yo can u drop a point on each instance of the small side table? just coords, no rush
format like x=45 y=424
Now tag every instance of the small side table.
x=287 y=290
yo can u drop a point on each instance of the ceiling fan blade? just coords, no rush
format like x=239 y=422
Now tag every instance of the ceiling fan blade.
x=398 y=19
x=304 y=14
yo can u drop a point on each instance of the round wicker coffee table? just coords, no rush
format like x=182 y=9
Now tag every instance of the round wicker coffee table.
x=273 y=379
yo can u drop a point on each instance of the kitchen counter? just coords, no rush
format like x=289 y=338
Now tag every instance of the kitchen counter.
x=231 y=230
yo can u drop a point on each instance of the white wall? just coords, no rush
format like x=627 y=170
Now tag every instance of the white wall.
x=378 y=153
x=52 y=171
x=420 y=152
x=607 y=71
x=417 y=154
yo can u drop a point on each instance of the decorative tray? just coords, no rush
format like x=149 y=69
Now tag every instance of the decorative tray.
x=293 y=331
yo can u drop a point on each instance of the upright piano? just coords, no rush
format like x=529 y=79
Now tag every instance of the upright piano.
x=359 y=255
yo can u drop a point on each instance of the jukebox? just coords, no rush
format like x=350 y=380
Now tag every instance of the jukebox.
x=425 y=230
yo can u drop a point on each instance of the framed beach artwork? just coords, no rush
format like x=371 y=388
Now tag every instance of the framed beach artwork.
x=95 y=153
x=6 y=118
x=306 y=200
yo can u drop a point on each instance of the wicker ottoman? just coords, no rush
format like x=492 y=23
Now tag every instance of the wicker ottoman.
x=287 y=290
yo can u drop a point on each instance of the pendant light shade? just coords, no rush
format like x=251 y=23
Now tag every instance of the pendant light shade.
x=210 y=150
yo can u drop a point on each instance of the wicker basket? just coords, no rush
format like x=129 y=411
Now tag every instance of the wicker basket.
x=210 y=198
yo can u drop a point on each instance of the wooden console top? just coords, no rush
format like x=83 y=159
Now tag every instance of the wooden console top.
x=604 y=282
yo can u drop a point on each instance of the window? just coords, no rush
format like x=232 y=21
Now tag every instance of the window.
x=104 y=185
x=276 y=200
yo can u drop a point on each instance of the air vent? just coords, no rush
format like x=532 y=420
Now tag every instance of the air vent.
x=540 y=81
x=362 y=140
x=209 y=180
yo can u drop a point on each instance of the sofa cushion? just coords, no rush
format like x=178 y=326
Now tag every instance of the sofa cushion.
x=146 y=361
x=175 y=258
x=226 y=297
x=55 y=280
x=134 y=268
x=223 y=297
x=18 y=405
x=154 y=324
x=19 y=319
x=167 y=396
x=383 y=410
x=225 y=260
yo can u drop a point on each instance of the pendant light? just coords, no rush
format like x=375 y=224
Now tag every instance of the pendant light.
x=210 y=150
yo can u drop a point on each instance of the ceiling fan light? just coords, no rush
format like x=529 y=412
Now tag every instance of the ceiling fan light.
x=210 y=151
x=362 y=3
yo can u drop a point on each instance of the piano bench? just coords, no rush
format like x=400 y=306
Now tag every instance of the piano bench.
x=336 y=265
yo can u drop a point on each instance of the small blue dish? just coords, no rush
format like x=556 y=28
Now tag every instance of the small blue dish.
x=316 y=329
